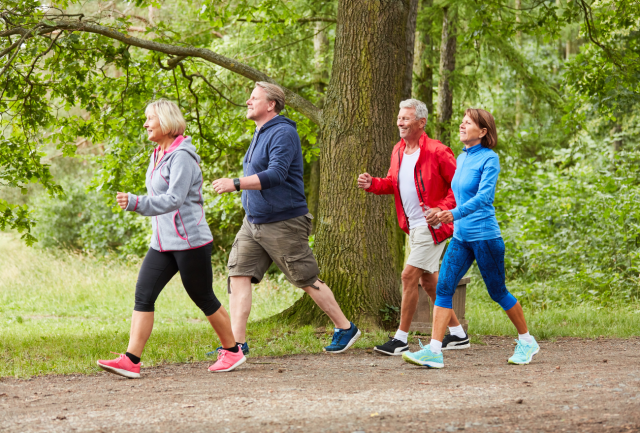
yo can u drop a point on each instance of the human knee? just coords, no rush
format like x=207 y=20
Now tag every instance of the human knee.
x=505 y=300
x=210 y=306
x=411 y=275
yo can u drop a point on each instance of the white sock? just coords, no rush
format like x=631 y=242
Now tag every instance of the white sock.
x=526 y=338
x=401 y=335
x=457 y=331
x=435 y=346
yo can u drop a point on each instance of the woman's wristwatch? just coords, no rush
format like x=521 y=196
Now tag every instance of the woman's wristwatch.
x=236 y=183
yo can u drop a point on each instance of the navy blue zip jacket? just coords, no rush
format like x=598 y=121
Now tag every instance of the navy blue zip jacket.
x=275 y=155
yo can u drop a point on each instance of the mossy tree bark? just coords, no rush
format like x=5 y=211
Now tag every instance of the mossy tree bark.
x=358 y=243
x=447 y=66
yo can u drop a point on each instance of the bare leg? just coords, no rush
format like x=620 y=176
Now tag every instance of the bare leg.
x=516 y=315
x=141 y=327
x=410 y=277
x=441 y=317
x=222 y=325
x=324 y=298
x=240 y=306
x=429 y=282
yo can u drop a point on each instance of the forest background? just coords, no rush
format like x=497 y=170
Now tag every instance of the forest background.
x=562 y=78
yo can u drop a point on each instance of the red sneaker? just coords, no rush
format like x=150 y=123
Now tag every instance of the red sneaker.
x=122 y=365
x=228 y=361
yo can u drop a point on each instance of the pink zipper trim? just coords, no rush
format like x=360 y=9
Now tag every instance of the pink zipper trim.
x=176 y=227
x=202 y=214
x=136 y=206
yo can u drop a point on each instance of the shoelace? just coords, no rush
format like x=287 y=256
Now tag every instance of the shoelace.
x=421 y=345
x=520 y=349
x=221 y=354
x=123 y=354
x=337 y=336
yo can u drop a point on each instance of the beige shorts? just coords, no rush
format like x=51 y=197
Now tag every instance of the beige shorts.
x=424 y=254
x=284 y=242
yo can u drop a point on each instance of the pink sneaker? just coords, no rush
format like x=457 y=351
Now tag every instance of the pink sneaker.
x=122 y=365
x=228 y=361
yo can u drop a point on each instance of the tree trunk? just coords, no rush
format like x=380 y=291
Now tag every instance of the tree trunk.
x=320 y=47
x=424 y=69
x=447 y=66
x=412 y=18
x=518 y=6
x=358 y=244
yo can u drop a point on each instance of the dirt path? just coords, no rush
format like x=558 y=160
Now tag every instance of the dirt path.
x=572 y=385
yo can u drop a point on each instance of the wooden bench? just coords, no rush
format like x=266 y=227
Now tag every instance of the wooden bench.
x=423 y=317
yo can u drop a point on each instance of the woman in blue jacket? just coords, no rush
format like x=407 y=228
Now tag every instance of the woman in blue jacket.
x=476 y=236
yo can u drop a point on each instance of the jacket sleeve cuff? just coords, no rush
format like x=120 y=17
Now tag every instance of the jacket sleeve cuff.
x=133 y=202
x=456 y=214
x=265 y=182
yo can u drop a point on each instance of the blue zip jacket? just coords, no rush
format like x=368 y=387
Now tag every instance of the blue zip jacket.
x=474 y=187
x=275 y=155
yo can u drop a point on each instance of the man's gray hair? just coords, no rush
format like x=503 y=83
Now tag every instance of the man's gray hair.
x=274 y=93
x=419 y=106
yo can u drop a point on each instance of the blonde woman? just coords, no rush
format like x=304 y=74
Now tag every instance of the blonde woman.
x=181 y=240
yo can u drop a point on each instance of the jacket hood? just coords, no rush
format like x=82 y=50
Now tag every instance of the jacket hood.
x=278 y=120
x=183 y=144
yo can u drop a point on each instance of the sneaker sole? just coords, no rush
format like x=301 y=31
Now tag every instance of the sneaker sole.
x=120 y=372
x=426 y=364
x=349 y=344
x=233 y=367
x=382 y=352
x=454 y=346
x=528 y=360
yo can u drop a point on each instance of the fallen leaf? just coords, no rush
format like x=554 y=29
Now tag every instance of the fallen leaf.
x=519 y=401
x=375 y=414
x=187 y=405
x=424 y=383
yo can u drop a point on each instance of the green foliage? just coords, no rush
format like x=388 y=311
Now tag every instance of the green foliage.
x=573 y=222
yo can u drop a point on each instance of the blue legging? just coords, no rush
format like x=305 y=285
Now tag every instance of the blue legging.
x=460 y=256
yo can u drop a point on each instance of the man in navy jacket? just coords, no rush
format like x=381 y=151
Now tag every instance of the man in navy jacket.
x=277 y=223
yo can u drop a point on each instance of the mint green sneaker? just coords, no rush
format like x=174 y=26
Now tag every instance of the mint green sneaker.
x=524 y=352
x=424 y=357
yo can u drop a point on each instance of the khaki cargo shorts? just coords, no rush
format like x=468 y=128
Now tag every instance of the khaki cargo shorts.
x=284 y=242
x=424 y=254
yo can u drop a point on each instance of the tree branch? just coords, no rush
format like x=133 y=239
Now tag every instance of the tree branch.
x=300 y=20
x=294 y=100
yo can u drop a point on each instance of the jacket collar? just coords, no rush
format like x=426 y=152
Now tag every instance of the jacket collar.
x=474 y=149
x=179 y=139
x=422 y=142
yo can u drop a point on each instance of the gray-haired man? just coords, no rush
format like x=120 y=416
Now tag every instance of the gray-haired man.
x=420 y=180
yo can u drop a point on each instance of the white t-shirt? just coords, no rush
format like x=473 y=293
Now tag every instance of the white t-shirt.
x=408 y=193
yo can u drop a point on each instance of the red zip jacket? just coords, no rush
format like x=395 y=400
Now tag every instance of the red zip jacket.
x=433 y=173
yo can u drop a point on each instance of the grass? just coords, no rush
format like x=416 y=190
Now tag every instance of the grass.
x=61 y=312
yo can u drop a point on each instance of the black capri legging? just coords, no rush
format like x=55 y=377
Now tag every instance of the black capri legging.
x=195 y=270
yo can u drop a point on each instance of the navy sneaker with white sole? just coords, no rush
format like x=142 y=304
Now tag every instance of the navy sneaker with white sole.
x=343 y=339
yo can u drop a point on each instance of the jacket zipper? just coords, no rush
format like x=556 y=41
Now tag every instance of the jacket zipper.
x=155 y=165
x=401 y=204
x=250 y=157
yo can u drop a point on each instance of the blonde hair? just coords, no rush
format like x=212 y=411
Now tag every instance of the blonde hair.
x=171 y=120
x=274 y=93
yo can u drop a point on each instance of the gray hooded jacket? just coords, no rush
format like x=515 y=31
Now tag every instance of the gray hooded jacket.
x=175 y=199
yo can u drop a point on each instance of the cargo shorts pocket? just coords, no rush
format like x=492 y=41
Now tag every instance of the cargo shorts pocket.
x=301 y=267
x=233 y=255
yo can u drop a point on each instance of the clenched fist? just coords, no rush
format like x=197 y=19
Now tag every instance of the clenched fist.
x=364 y=181
x=123 y=199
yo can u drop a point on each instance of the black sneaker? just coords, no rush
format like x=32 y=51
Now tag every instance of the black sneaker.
x=392 y=347
x=452 y=342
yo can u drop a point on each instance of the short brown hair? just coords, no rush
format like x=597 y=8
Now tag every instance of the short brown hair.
x=274 y=93
x=484 y=120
